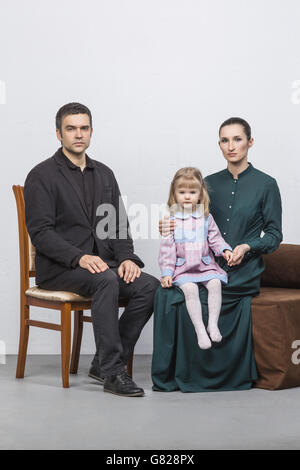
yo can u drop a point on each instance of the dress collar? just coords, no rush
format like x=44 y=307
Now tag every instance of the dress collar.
x=248 y=170
x=182 y=215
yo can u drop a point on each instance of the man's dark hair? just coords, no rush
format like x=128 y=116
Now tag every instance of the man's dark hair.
x=71 y=108
x=237 y=120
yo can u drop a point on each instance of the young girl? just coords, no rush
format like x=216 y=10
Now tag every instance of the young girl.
x=186 y=257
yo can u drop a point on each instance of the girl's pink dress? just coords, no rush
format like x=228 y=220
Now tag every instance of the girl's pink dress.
x=187 y=253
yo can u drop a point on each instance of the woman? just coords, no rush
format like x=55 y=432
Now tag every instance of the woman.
x=244 y=203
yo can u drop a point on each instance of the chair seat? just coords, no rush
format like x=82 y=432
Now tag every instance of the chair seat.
x=275 y=327
x=274 y=295
x=57 y=295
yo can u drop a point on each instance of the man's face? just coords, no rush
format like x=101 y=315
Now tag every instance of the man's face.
x=75 y=134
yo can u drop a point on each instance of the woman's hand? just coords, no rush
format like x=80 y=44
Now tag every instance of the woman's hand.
x=166 y=226
x=238 y=254
x=166 y=281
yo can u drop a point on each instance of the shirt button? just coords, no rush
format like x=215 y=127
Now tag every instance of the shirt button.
x=224 y=233
x=227 y=220
x=232 y=192
x=229 y=207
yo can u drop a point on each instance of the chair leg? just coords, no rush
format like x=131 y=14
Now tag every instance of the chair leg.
x=65 y=343
x=129 y=365
x=23 y=341
x=77 y=337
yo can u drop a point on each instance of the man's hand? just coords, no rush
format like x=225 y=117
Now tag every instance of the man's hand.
x=166 y=226
x=238 y=254
x=227 y=254
x=94 y=264
x=166 y=281
x=129 y=271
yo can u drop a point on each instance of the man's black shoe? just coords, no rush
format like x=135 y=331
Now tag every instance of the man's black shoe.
x=122 y=385
x=95 y=374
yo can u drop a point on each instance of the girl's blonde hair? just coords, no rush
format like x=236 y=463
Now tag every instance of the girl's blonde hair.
x=192 y=178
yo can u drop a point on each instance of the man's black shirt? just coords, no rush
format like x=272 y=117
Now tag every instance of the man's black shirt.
x=84 y=180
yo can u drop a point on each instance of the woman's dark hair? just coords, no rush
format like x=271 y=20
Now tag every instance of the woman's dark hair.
x=71 y=108
x=237 y=120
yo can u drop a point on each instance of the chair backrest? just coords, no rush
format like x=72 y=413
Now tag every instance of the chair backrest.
x=282 y=267
x=26 y=249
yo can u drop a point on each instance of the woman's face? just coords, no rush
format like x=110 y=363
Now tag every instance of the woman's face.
x=234 y=143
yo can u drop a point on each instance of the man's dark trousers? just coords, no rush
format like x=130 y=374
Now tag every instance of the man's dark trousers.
x=115 y=338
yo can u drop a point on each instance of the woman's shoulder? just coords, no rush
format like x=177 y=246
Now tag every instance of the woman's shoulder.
x=215 y=176
x=263 y=176
x=215 y=179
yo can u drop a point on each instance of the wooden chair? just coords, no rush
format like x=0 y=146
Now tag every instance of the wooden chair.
x=66 y=302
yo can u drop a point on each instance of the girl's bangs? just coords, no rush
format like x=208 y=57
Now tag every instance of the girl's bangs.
x=191 y=183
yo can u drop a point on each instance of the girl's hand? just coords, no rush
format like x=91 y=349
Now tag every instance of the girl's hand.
x=238 y=254
x=166 y=281
x=227 y=254
x=166 y=226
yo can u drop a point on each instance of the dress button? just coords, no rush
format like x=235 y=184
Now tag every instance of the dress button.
x=227 y=220
x=229 y=207
x=232 y=192
x=224 y=233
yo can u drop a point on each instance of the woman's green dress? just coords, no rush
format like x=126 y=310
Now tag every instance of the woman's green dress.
x=242 y=209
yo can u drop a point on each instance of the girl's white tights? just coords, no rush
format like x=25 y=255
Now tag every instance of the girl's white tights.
x=193 y=305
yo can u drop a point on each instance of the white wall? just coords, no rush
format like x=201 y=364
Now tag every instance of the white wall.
x=159 y=77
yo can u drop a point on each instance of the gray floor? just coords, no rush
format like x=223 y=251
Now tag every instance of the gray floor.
x=37 y=413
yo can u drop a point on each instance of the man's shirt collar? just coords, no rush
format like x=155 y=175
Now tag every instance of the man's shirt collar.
x=71 y=165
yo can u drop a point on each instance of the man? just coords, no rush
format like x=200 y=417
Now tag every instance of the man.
x=63 y=199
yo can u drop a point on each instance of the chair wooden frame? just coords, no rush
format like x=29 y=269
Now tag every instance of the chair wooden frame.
x=27 y=301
